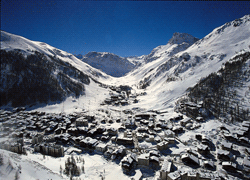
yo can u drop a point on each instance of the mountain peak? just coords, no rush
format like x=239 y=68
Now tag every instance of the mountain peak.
x=179 y=38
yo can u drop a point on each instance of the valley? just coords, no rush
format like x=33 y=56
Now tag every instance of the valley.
x=181 y=112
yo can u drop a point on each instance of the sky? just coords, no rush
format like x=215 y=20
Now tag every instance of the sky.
x=125 y=28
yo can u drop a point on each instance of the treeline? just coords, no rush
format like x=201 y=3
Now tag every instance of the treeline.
x=217 y=93
x=37 y=78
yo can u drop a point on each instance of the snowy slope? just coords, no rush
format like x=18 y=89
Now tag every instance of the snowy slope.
x=11 y=42
x=168 y=77
x=159 y=55
x=109 y=63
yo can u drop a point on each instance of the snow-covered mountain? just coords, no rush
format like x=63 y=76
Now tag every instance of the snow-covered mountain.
x=109 y=63
x=34 y=72
x=166 y=77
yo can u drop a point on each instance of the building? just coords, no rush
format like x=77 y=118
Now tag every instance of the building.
x=143 y=159
x=166 y=168
x=38 y=138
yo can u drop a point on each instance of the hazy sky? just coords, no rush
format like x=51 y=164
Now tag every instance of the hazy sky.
x=125 y=28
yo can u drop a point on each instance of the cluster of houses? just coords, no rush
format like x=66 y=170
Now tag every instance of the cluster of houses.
x=141 y=140
x=120 y=96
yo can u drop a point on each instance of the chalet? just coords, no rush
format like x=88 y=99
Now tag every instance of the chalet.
x=124 y=102
x=192 y=175
x=82 y=130
x=154 y=153
x=144 y=121
x=157 y=129
x=124 y=141
x=224 y=155
x=151 y=125
x=166 y=168
x=230 y=137
x=139 y=136
x=157 y=139
x=246 y=124
x=89 y=142
x=190 y=159
x=82 y=121
x=174 y=176
x=128 y=161
x=154 y=161
x=143 y=159
x=208 y=164
x=203 y=149
x=73 y=131
x=112 y=131
x=169 y=133
x=246 y=164
x=170 y=140
x=142 y=129
x=162 y=145
x=229 y=166
x=177 y=129
x=150 y=138
x=185 y=121
x=244 y=140
x=192 y=151
x=143 y=116
x=226 y=146
x=92 y=132
x=101 y=147
x=158 y=124
x=118 y=152
x=199 y=119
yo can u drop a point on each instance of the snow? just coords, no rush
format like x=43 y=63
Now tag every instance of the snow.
x=35 y=166
x=183 y=58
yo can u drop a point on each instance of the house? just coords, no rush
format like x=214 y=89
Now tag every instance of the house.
x=128 y=162
x=170 y=140
x=101 y=147
x=190 y=159
x=226 y=145
x=185 y=121
x=192 y=175
x=246 y=164
x=174 y=176
x=166 y=168
x=203 y=149
x=82 y=121
x=229 y=166
x=124 y=141
x=230 y=137
x=209 y=164
x=163 y=145
x=154 y=161
x=118 y=152
x=199 y=119
x=244 y=140
x=224 y=155
x=169 y=133
x=177 y=129
x=143 y=159
x=112 y=131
